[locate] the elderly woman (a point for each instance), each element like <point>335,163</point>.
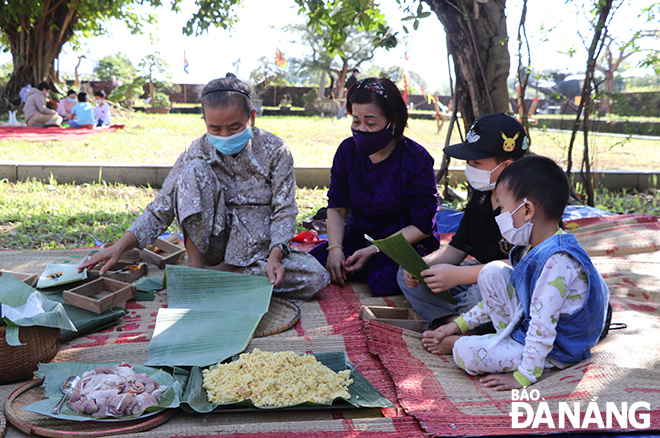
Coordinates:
<point>232,193</point>
<point>382,183</point>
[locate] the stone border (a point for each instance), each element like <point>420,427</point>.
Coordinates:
<point>306,176</point>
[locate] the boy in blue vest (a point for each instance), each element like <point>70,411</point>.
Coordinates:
<point>550,308</point>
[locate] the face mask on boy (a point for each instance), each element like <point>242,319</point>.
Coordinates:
<point>98,102</point>
<point>480,179</point>
<point>72,99</point>
<point>233,144</point>
<point>515,236</point>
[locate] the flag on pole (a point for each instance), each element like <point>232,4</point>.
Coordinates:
<point>405,87</point>
<point>185,63</point>
<point>280,61</point>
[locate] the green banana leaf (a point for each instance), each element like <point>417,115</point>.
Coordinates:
<point>363,394</point>
<point>14,294</point>
<point>55,373</point>
<point>147,287</point>
<point>210,317</point>
<point>402,252</point>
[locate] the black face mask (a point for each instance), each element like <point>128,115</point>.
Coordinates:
<point>368,143</point>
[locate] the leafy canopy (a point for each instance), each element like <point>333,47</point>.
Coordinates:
<point>117,65</point>
<point>340,16</point>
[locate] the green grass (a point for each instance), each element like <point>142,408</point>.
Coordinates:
<point>36,215</point>
<point>158,139</point>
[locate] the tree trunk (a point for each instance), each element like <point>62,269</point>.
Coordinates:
<point>34,47</point>
<point>322,82</point>
<point>341,79</point>
<point>477,41</point>
<point>585,103</point>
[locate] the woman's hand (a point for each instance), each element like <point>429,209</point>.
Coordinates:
<point>411,281</point>
<point>500,382</point>
<point>440,278</point>
<point>274,268</point>
<point>356,261</point>
<point>335,265</point>
<point>110,255</point>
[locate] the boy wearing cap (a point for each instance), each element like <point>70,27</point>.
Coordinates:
<point>492,143</point>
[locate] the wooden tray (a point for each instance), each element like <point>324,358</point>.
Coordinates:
<point>162,252</point>
<point>125,276</point>
<point>29,279</point>
<point>37,424</point>
<point>404,318</point>
<point>100,295</point>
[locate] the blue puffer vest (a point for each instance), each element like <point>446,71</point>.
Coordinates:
<point>578,332</point>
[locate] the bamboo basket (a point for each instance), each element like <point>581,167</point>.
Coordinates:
<point>18,363</point>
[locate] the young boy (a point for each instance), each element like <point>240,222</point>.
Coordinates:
<point>102,110</point>
<point>493,142</point>
<point>82,113</point>
<point>550,308</point>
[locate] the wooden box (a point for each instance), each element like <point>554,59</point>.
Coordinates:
<point>130,256</point>
<point>29,279</point>
<point>404,318</point>
<point>100,295</point>
<point>163,252</point>
<point>126,276</point>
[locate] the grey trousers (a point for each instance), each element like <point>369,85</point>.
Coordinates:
<point>432,308</point>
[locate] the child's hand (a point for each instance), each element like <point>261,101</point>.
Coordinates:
<point>439,278</point>
<point>411,281</point>
<point>500,382</point>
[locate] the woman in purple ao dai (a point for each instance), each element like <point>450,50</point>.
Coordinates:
<point>382,183</point>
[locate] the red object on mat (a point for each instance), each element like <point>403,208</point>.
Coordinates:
<point>308,237</point>
<point>31,133</point>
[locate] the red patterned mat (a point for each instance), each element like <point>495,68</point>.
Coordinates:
<point>624,369</point>
<point>30,133</point>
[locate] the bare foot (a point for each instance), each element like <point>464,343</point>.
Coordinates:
<point>439,345</point>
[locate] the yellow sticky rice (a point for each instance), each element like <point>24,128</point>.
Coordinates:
<point>275,379</point>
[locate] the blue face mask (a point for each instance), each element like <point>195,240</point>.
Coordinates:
<point>230,145</point>
<point>73,99</point>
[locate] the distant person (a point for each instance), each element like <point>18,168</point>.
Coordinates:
<point>382,183</point>
<point>83,113</point>
<point>352,80</point>
<point>65,105</point>
<point>35,111</point>
<point>102,110</point>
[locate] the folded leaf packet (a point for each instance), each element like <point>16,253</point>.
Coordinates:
<point>56,275</point>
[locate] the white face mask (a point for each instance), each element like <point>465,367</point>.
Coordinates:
<point>98,102</point>
<point>480,179</point>
<point>516,236</point>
